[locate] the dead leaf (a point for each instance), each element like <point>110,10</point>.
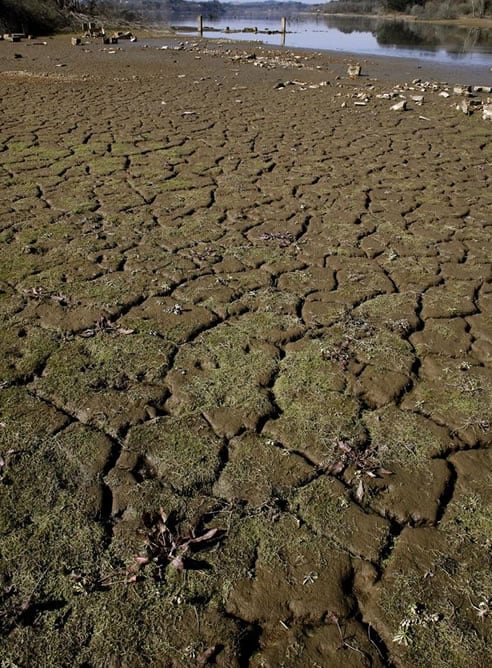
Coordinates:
<point>203,658</point>
<point>206,536</point>
<point>344,447</point>
<point>336,468</point>
<point>178,563</point>
<point>142,560</point>
<point>359,494</point>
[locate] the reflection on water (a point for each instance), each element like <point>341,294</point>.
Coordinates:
<point>360,35</point>
<point>432,36</point>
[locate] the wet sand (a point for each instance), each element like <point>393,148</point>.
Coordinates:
<point>245,376</point>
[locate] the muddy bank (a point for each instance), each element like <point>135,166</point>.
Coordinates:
<point>245,382</point>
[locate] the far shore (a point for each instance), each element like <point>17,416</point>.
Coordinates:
<point>460,21</point>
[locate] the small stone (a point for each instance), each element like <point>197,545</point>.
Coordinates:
<point>354,70</point>
<point>487,112</point>
<point>399,106</point>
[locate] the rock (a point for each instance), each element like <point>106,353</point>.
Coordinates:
<point>474,104</point>
<point>482,89</point>
<point>461,90</point>
<point>354,70</point>
<point>399,106</point>
<point>487,112</point>
<point>418,99</point>
<point>464,106</point>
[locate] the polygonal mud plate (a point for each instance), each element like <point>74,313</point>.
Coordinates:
<point>106,380</point>
<point>25,419</point>
<point>23,352</point>
<point>257,471</point>
<point>315,410</point>
<point>224,372</point>
<point>456,394</point>
<point>174,320</point>
<point>324,505</point>
<point>183,453</point>
<point>430,588</point>
<point>297,576</point>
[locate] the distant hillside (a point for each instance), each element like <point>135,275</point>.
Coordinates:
<point>435,9</point>
<point>33,16</point>
<point>49,16</point>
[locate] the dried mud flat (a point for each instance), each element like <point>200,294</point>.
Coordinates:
<point>245,364</point>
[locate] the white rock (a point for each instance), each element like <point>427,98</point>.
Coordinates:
<point>354,70</point>
<point>399,106</point>
<point>487,112</point>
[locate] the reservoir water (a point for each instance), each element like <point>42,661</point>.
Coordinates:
<point>359,35</point>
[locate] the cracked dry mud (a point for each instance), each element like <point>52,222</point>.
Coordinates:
<point>259,310</point>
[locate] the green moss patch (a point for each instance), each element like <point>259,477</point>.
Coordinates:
<point>107,380</point>
<point>315,409</point>
<point>23,352</point>
<point>174,320</point>
<point>257,471</point>
<point>456,394</point>
<point>182,452</point>
<point>224,373</point>
<point>326,507</point>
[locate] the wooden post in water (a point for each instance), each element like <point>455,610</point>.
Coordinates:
<point>200,25</point>
<point>283,25</point>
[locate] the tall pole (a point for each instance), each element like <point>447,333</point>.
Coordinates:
<point>200,25</point>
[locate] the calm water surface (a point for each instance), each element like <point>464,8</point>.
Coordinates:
<point>363,35</point>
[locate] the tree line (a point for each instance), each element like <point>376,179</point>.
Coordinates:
<point>436,9</point>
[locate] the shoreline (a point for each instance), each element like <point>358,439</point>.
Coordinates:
<point>386,67</point>
<point>478,74</point>
<point>391,67</point>
<point>462,21</point>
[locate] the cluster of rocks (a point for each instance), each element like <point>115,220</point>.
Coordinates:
<point>471,98</point>
<point>272,60</point>
<point>13,36</point>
